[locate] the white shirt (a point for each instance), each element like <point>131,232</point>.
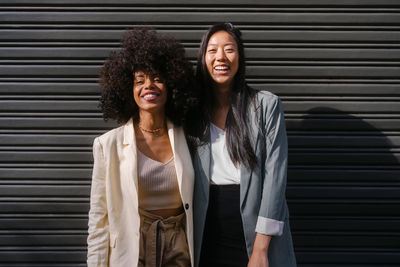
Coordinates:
<point>223,171</point>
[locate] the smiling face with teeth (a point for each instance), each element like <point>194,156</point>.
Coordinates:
<point>149,92</point>
<point>222,59</point>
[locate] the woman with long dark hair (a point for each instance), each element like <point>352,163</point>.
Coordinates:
<point>240,159</point>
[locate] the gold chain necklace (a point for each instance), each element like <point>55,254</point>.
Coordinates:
<point>156,132</point>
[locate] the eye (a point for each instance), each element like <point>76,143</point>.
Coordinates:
<point>229,49</point>
<point>158,79</point>
<point>139,82</point>
<point>211,50</point>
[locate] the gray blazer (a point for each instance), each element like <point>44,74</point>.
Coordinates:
<point>262,190</point>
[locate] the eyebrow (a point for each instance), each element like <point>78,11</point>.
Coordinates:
<point>230,43</point>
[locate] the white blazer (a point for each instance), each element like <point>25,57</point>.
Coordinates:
<point>113,217</point>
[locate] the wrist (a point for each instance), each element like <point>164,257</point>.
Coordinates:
<point>262,250</point>
<point>261,243</point>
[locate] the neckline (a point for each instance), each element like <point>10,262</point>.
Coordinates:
<point>215,126</point>
<point>159,162</point>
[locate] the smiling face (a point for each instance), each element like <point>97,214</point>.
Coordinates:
<point>149,92</point>
<point>222,59</point>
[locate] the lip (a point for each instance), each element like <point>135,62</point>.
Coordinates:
<point>221,69</point>
<point>150,96</point>
<point>222,66</point>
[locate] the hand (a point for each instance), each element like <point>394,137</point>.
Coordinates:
<point>258,258</point>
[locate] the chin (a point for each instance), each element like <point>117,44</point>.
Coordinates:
<point>153,108</point>
<point>223,82</point>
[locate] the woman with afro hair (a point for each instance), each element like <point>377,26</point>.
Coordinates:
<point>142,183</point>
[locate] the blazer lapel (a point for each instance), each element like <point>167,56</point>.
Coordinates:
<point>129,171</point>
<point>177,160</point>
<point>245,173</point>
<point>202,161</point>
<point>182,161</point>
<point>204,153</point>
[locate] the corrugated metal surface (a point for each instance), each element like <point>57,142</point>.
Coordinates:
<point>335,64</point>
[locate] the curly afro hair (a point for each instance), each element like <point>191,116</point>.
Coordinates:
<point>146,50</point>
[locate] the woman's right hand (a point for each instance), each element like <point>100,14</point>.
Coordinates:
<point>258,259</point>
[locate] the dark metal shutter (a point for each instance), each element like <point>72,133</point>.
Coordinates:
<point>334,63</point>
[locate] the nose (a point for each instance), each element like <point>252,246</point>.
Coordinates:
<point>220,55</point>
<point>148,83</point>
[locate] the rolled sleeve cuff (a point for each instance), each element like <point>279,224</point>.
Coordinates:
<point>269,226</point>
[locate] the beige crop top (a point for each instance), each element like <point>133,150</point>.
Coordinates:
<point>158,184</point>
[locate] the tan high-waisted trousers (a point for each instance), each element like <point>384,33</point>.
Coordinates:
<point>163,241</point>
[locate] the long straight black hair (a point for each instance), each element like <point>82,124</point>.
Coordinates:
<point>237,122</point>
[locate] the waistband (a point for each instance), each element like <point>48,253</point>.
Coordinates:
<point>225,187</point>
<point>150,218</point>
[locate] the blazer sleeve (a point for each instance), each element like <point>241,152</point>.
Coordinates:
<point>273,213</point>
<point>98,239</point>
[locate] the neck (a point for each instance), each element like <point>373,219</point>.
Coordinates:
<point>222,96</point>
<point>151,121</point>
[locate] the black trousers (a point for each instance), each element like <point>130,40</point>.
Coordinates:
<point>223,239</point>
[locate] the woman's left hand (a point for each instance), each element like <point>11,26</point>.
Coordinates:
<point>259,257</point>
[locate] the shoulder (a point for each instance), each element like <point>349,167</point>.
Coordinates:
<point>111,136</point>
<point>266,98</point>
<point>266,102</point>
